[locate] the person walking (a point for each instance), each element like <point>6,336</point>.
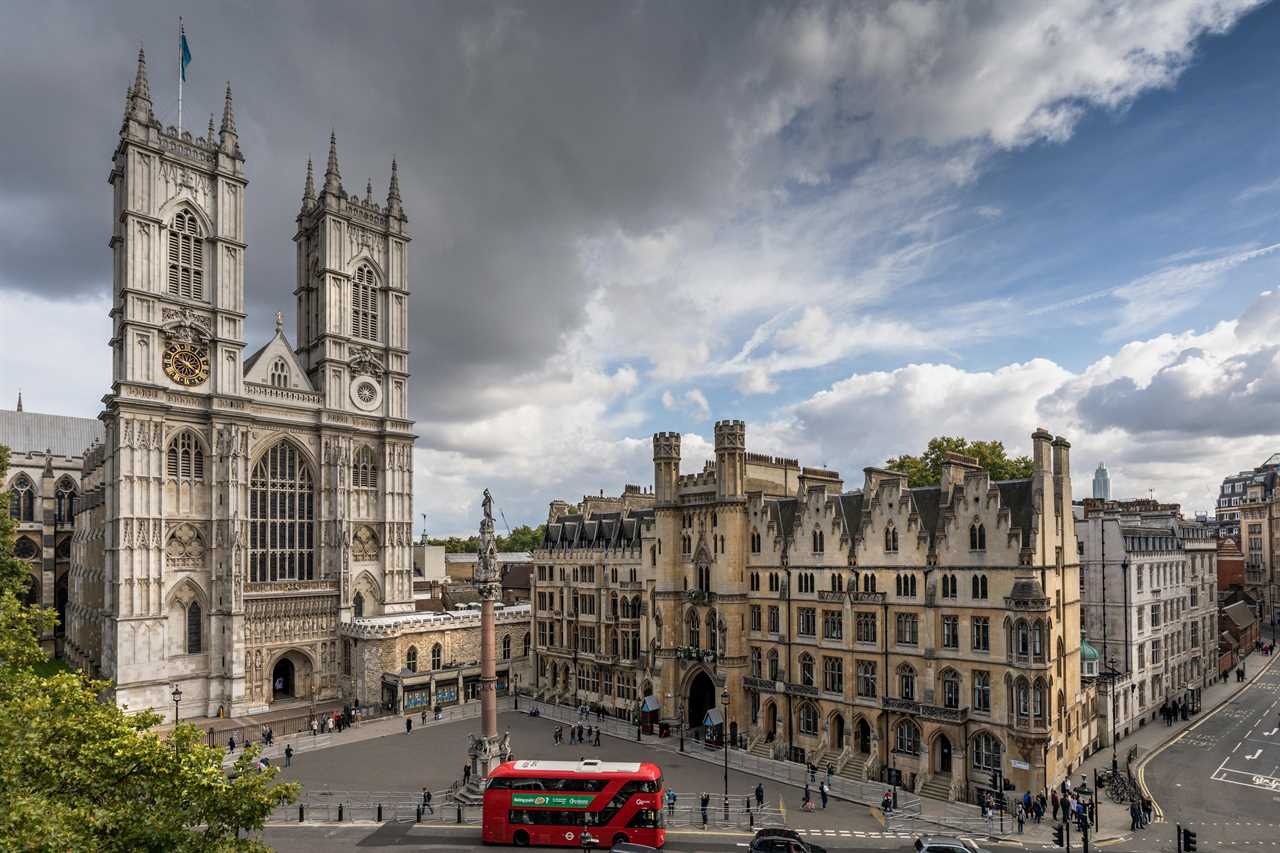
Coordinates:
<point>288,754</point>
<point>831,771</point>
<point>886,803</point>
<point>596,742</point>
<point>424,716</point>
<point>231,744</point>
<point>466,774</point>
<point>1037,809</point>
<point>1021,815</point>
<point>408,725</point>
<point>1135,817</point>
<point>806,804</point>
<point>315,729</point>
<point>822,792</point>
<point>759,795</point>
<point>704,801</point>
<point>1147,809</point>
<point>426,802</point>
<point>1054,801</point>
<point>671,802</point>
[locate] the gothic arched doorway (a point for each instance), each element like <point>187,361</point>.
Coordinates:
<point>864,736</point>
<point>771,720</point>
<point>943,750</point>
<point>702,698</point>
<point>283,680</point>
<point>837,731</point>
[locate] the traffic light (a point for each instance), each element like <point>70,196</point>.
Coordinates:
<point>1188,841</point>
<point>1058,837</point>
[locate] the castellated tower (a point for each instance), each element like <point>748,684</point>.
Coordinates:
<point>731,453</point>
<point>666,466</point>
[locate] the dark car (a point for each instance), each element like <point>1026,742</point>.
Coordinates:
<point>946,844</point>
<point>778,840</point>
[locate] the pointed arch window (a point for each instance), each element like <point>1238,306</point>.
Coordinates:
<point>525,653</point>
<point>194,629</point>
<point>908,738</point>
<point>184,460</point>
<point>279,376</point>
<point>755,542</point>
<point>808,719</point>
<point>694,631</point>
<point>65,501</point>
<point>186,256</point>
<point>437,654</point>
<point>364,471</point>
<point>506,647</point>
<point>951,689</point>
<point>364,303</point>
<point>756,665</point>
<point>977,537</point>
<point>411,659</point>
<point>357,605</point>
<point>806,669</point>
<point>891,538</point>
<point>22,499</point>
<point>907,683</point>
<point>773,664</point>
<point>987,752</point>
<point>819,542</point>
<point>281,517</point>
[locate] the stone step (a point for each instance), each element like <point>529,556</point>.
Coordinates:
<point>937,788</point>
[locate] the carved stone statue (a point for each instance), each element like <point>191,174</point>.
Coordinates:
<point>505,746</point>
<point>487,504</point>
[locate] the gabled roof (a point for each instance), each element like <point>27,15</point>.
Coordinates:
<point>257,367</point>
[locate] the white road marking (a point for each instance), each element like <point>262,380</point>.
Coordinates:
<point>1255,755</point>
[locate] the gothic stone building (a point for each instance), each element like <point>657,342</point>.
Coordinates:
<point>241,508</point>
<point>930,634</point>
<point>43,488</point>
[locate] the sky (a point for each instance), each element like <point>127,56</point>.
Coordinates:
<point>852,225</point>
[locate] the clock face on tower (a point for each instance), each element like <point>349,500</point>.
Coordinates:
<point>186,364</point>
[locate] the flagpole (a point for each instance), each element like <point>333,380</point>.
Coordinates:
<point>179,75</point>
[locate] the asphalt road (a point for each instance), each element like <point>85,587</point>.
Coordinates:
<point>1221,778</point>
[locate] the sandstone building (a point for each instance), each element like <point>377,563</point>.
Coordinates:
<point>241,507</point>
<point>931,634</point>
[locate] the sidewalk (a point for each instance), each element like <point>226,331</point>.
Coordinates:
<point>1113,818</point>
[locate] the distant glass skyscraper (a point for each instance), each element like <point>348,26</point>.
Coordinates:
<point>1102,482</point>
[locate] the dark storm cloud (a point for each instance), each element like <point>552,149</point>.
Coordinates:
<point>519,133</point>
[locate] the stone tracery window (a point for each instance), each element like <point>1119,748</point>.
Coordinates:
<point>986,752</point>
<point>184,460</point>
<point>364,303</point>
<point>364,471</point>
<point>281,515</point>
<point>437,654</point>
<point>22,499</point>
<point>279,376</point>
<point>186,256</point>
<point>411,659</point>
<point>194,629</point>
<point>65,501</point>
<point>891,538</point>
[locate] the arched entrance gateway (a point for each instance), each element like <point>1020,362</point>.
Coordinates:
<point>837,731</point>
<point>942,754</point>
<point>283,680</point>
<point>864,736</point>
<point>771,721</point>
<point>702,698</point>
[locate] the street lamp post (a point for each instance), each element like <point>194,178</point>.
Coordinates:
<point>724,736</point>
<point>177,697</point>
<point>680,712</point>
<point>639,716</point>
<point>515,688</point>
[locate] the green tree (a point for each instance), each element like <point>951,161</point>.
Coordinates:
<point>926,469</point>
<point>77,773</point>
<point>523,538</point>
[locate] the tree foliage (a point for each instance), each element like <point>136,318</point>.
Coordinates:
<point>77,773</point>
<point>523,538</point>
<point>926,469</point>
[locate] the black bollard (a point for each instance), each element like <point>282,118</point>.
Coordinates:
<point>339,812</point>
<point>419,818</point>
<point>379,812</point>
<point>459,812</point>
<point>301,813</point>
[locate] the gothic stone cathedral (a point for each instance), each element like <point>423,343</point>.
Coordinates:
<point>241,508</point>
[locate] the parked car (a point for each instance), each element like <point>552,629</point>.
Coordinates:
<point>778,840</point>
<point>946,844</point>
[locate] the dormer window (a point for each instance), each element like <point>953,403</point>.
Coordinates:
<point>186,256</point>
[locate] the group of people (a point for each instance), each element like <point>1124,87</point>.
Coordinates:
<point>824,791</point>
<point>1173,711</point>
<point>577,734</point>
<point>585,713</point>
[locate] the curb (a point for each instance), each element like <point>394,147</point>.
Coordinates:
<point>1158,813</point>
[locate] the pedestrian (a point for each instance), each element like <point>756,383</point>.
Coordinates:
<point>671,802</point>
<point>588,732</point>
<point>426,802</point>
<point>1054,801</point>
<point>231,744</point>
<point>704,801</point>
<point>466,774</point>
<point>573,735</point>
<point>408,725</point>
<point>288,754</point>
<point>596,742</point>
<point>315,729</point>
<point>1037,810</point>
<point>1147,809</point>
<point>1021,815</point>
<point>806,803</point>
<point>424,716</point>
<point>813,772</point>
<point>831,771</point>
<point>822,792</point>
<point>886,803</point>
<point>1135,817</point>
<point>759,795</point>
<point>580,732</point>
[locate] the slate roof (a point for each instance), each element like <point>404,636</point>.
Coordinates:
<point>602,530</point>
<point>32,432</point>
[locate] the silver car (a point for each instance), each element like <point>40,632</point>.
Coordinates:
<point>946,844</point>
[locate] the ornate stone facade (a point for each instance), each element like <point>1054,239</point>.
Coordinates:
<point>242,508</point>
<point>926,633</point>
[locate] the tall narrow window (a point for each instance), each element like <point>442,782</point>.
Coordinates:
<point>891,538</point>
<point>193,628</point>
<point>506,647</point>
<point>65,509</point>
<point>281,513</point>
<point>279,373</point>
<point>185,458</point>
<point>186,257</point>
<point>437,654</point>
<point>411,659</point>
<point>364,303</point>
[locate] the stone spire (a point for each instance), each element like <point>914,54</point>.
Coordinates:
<point>393,193</point>
<point>332,178</point>
<point>19,399</point>
<point>209,134</point>
<point>228,139</point>
<point>368,191</point>
<point>309,188</point>
<point>140,94</point>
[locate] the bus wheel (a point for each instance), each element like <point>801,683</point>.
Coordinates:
<point>619,839</point>
<point>520,839</point>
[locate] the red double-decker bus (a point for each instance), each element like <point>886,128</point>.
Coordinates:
<point>556,802</point>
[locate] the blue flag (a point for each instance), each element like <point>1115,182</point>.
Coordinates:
<point>185,51</point>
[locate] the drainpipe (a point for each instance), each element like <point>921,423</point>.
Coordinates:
<point>884,618</point>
